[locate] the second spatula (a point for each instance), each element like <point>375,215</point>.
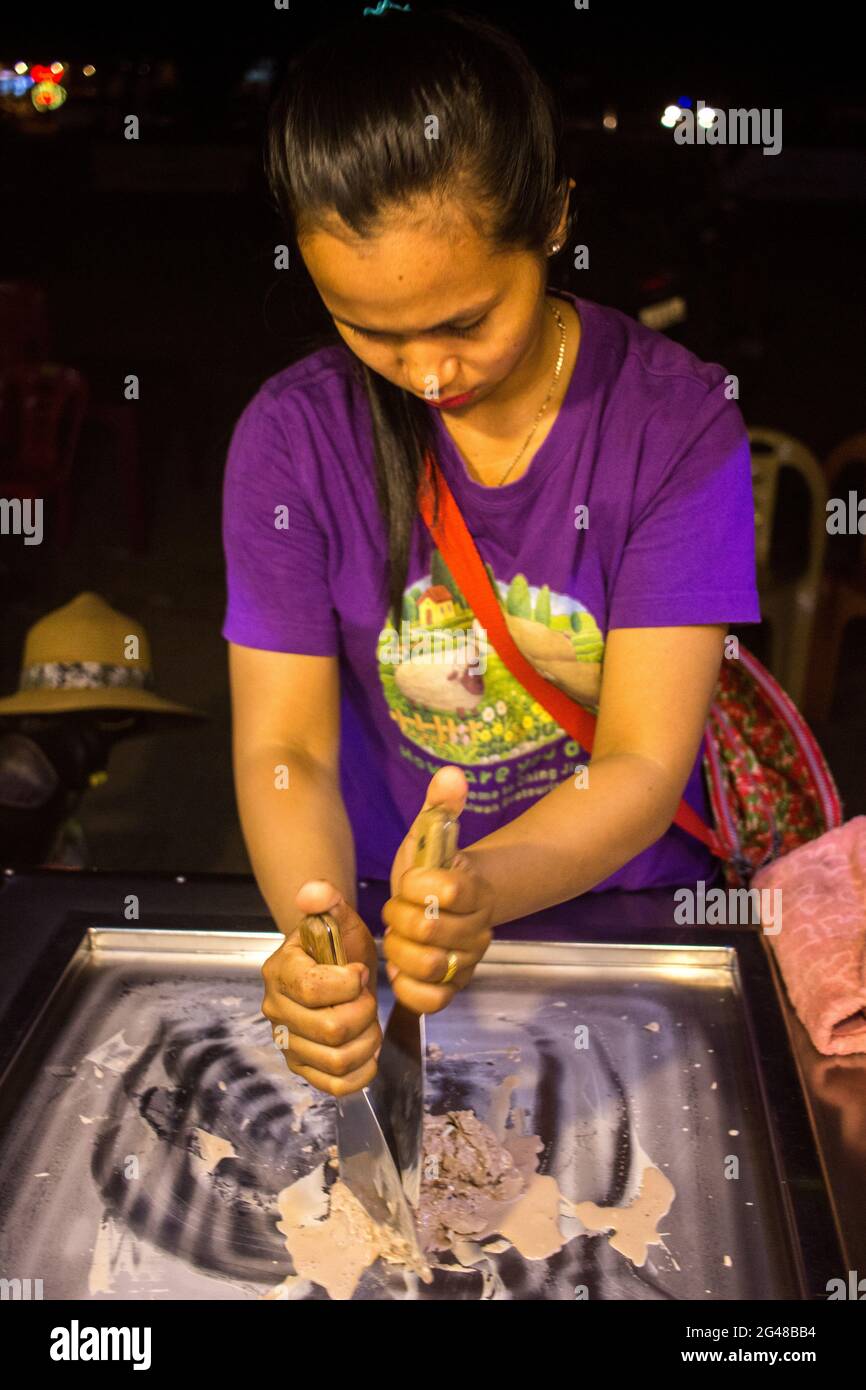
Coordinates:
<point>366,1163</point>
<point>397,1090</point>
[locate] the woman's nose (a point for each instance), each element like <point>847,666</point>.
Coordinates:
<point>429,378</point>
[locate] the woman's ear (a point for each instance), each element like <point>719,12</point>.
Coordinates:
<point>562,229</point>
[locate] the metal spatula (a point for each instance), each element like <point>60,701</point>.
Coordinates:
<point>397,1090</point>
<point>366,1164</point>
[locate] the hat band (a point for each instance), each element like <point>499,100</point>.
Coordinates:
<point>83,675</point>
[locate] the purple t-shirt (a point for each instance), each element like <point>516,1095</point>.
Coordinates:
<point>636,511</point>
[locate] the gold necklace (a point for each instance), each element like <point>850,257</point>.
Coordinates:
<point>559,361</point>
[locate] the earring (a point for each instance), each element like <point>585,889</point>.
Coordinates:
<point>554,248</point>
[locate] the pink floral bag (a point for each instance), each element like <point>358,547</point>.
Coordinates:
<point>769,785</point>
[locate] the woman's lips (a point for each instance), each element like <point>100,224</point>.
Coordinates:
<point>453,400</point>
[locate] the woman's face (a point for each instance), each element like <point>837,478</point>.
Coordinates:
<point>442,314</point>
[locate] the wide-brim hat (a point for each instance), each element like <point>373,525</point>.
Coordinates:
<point>88,656</point>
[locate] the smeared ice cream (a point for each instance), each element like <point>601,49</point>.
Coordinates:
<point>466,1177</point>
<point>212,1150</point>
<point>477,1181</point>
<point>474,1185</point>
<point>335,1252</point>
<point>634,1225</point>
<point>532,1225</point>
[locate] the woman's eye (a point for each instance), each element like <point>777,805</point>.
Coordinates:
<point>469,329</point>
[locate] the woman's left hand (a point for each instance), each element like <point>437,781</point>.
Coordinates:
<point>435,915</point>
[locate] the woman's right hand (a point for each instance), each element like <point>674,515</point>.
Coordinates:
<point>324,1017</point>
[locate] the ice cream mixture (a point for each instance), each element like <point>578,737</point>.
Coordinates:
<point>479,1181</point>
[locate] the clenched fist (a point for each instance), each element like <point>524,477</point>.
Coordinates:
<point>324,1016</point>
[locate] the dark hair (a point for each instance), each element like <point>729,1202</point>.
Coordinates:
<point>346,135</point>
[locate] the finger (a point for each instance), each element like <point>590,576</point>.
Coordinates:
<point>402,860</point>
<point>292,972</point>
<point>423,963</point>
<point>337,1085</point>
<point>319,895</point>
<point>447,788</point>
<point>335,1061</point>
<point>447,930</point>
<point>425,998</point>
<point>457,888</point>
<point>330,1027</point>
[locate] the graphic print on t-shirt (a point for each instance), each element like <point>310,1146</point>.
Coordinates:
<point>455,700</point>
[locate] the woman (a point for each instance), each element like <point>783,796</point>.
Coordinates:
<point>601,468</point>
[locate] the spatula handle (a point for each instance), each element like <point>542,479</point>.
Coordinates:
<point>437,839</point>
<point>437,844</point>
<point>321,938</point>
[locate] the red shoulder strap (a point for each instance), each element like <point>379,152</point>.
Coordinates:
<point>453,540</point>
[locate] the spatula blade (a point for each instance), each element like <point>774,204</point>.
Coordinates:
<point>397,1090</point>
<point>367,1168</point>
<point>366,1163</point>
<point>397,1093</point>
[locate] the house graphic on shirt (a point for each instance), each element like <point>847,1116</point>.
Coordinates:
<point>436,606</point>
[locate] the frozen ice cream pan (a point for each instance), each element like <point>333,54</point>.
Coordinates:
<point>148,1124</point>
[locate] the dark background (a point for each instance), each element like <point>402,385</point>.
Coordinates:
<point>157,258</point>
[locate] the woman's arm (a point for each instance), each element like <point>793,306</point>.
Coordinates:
<point>285,715</point>
<point>285,747</point>
<point>657,687</point>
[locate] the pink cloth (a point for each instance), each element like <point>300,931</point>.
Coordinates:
<point>821,947</point>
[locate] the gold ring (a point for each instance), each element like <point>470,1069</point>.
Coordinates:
<point>452,969</point>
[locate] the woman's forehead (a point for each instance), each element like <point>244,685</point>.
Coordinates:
<point>410,275</point>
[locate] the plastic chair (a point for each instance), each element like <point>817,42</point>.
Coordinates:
<point>788,605</point>
<point>843,594</point>
<point>42,407</point>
